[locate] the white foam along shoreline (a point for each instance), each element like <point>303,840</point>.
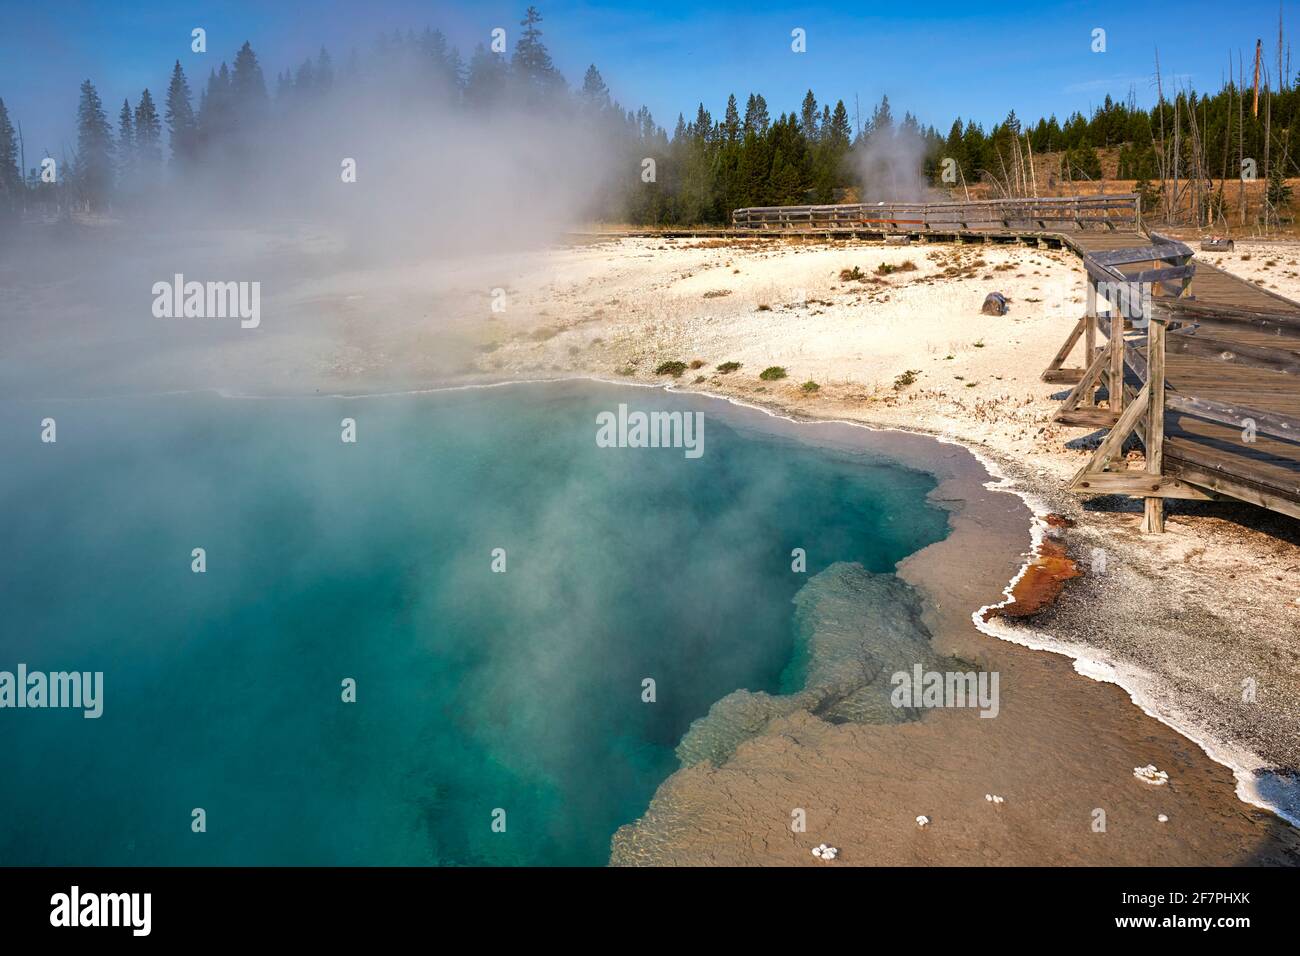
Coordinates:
<point>1247,767</point>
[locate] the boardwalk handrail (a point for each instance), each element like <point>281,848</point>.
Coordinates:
<point>1108,211</point>
<point>1147,282</point>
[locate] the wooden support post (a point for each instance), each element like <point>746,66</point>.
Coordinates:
<point>1153,519</point>
<point>1090,334</point>
<point>1115,382</point>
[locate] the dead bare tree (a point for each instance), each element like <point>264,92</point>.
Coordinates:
<point>1161,159</point>
<point>1241,137</point>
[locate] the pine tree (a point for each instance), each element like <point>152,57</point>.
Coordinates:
<point>594,92</point>
<point>840,130</point>
<point>214,119</point>
<point>731,120</point>
<point>485,82</point>
<point>756,117</point>
<point>808,116</point>
<point>535,75</point>
<point>247,87</point>
<point>148,139</point>
<point>94,162</point>
<point>11,180</point>
<point>324,72</point>
<point>304,81</point>
<point>126,158</point>
<point>181,125</point>
<point>882,120</point>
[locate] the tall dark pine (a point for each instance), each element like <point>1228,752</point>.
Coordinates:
<point>756,117</point>
<point>840,131</point>
<point>10,175</point>
<point>247,86</point>
<point>214,117</point>
<point>94,165</point>
<point>148,138</point>
<point>181,124</point>
<point>594,91</point>
<point>882,120</point>
<point>535,75</point>
<point>731,120</point>
<point>808,116</point>
<point>125,144</point>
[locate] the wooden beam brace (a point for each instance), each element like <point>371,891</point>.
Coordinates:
<point>1091,376</point>
<point>1136,483</point>
<point>1064,351</point>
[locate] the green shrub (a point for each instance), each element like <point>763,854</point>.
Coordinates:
<point>809,387</point>
<point>674,369</point>
<point>726,367</point>
<point>907,378</point>
<point>772,373</point>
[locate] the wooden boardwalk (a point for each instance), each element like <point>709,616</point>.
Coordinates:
<point>1204,367</point>
<point>1244,373</point>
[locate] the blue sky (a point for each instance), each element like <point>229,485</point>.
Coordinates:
<point>939,59</point>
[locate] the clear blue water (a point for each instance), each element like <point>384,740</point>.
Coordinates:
<point>476,690</point>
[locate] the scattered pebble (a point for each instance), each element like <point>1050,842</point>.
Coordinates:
<point>1162,818</point>
<point>994,798</point>
<point>824,852</point>
<point>1149,774</point>
<point>922,820</point>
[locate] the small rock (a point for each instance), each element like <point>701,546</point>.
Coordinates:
<point>922,821</point>
<point>995,303</point>
<point>1162,818</point>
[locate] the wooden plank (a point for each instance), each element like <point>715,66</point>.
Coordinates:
<point>1270,320</point>
<point>1229,352</point>
<point>1091,416</point>
<point>1270,423</point>
<point>1136,483</point>
<point>1153,516</point>
<point>1234,487</point>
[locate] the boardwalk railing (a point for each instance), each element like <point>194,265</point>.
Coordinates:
<point>1217,449</point>
<point>1053,214</point>
<point>1201,366</point>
